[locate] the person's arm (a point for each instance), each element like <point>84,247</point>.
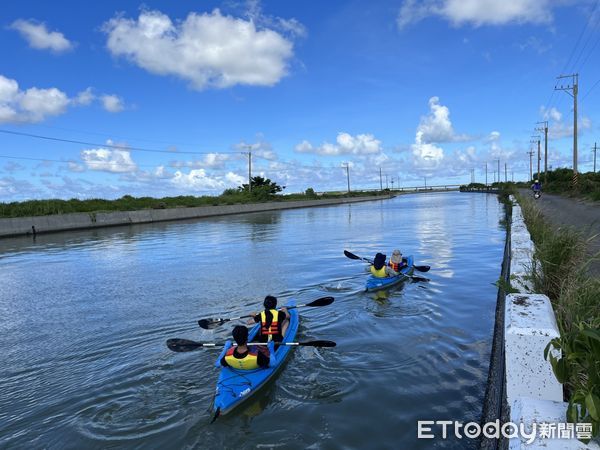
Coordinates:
<point>254,319</point>
<point>262,360</point>
<point>221,359</point>
<point>390,272</point>
<point>284,310</point>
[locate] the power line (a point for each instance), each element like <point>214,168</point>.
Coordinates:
<point>116,147</point>
<point>590,90</point>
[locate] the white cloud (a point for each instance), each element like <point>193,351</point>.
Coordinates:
<point>436,127</point>
<point>196,180</point>
<point>112,103</point>
<point>206,49</point>
<point>30,106</point>
<point>38,36</point>
<point>426,156</point>
<point>107,160</point>
<point>346,144</point>
<point>551,113</point>
<point>84,97</point>
<point>235,179</point>
<point>476,12</point>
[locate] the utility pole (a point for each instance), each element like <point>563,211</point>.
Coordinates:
<point>594,157</point>
<point>545,130</point>
<point>486,173</point>
<point>392,183</point>
<point>472,175</point>
<point>505,176</point>
<point>498,170</point>
<point>380,181</point>
<point>512,173</point>
<point>386,182</point>
<point>536,138</point>
<point>425,177</point>
<point>572,90</point>
<point>347,166</point>
<point>249,153</point>
<point>530,153</point>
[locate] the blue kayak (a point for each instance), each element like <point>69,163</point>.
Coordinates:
<point>375,284</point>
<point>234,386</point>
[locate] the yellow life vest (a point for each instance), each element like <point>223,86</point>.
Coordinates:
<point>378,273</point>
<point>248,362</point>
<point>271,330</point>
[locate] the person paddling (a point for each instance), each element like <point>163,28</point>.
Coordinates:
<point>244,357</point>
<point>379,269</point>
<point>273,323</point>
<point>397,262</point>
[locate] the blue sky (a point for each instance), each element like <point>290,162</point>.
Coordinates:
<point>423,90</point>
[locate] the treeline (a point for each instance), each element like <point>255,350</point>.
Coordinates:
<point>263,190</point>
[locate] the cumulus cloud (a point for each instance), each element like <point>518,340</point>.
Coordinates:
<point>476,12</point>
<point>84,97</point>
<point>38,36</point>
<point>426,156</point>
<point>35,105</point>
<point>550,114</point>
<point>196,180</point>
<point>112,103</point>
<point>437,127</point>
<point>208,50</point>
<point>108,160</point>
<point>346,144</point>
<point>30,106</point>
<point>210,160</point>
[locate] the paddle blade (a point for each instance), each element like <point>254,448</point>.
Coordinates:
<point>422,268</point>
<point>318,344</point>
<point>185,345</point>
<point>351,255</point>
<point>209,324</point>
<point>323,301</point>
<point>419,278</point>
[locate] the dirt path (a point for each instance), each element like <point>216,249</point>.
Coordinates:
<point>580,215</point>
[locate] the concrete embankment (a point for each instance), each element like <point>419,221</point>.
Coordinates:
<point>19,226</point>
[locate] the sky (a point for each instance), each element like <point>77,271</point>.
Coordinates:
<point>163,98</point>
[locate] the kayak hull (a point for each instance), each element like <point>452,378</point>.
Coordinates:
<point>376,284</point>
<point>235,386</point>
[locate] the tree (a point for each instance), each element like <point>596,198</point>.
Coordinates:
<point>262,185</point>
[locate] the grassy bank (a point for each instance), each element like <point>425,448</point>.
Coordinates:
<point>559,272</point>
<point>129,203</point>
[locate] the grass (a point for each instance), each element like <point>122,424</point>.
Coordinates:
<point>559,272</point>
<point>129,203</point>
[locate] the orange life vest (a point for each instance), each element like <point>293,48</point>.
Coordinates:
<point>272,330</point>
<point>248,362</point>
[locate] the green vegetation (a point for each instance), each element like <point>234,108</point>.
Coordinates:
<point>559,181</point>
<point>263,190</point>
<point>559,272</point>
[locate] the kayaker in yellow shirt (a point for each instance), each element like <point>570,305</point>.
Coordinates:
<point>379,269</point>
<point>244,357</point>
<point>273,323</point>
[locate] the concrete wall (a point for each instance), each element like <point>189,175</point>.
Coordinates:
<point>62,222</point>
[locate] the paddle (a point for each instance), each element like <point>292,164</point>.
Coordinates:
<point>414,277</point>
<point>209,324</point>
<point>353,256</point>
<point>185,345</point>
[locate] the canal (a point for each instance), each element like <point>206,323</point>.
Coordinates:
<point>84,317</point>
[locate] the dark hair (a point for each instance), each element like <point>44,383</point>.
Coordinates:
<point>240,334</point>
<point>379,261</point>
<point>269,303</point>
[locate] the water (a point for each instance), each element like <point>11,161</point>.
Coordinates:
<point>84,317</point>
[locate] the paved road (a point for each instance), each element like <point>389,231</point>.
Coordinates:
<point>581,215</point>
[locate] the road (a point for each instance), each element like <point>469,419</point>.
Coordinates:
<point>580,215</point>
